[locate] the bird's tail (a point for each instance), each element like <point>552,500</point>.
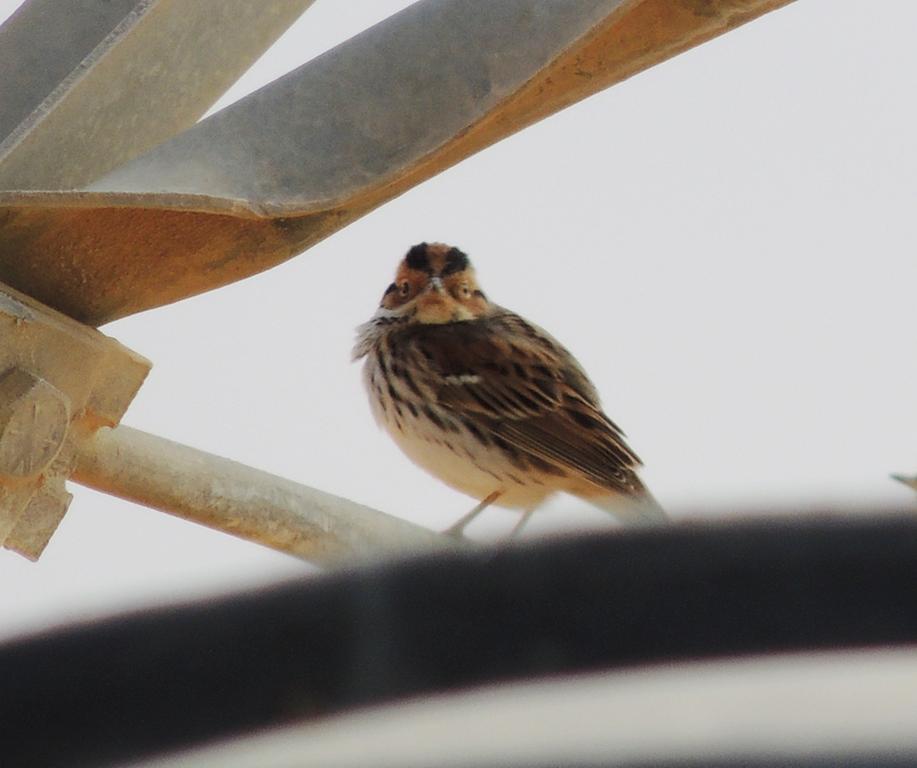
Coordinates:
<point>642,509</point>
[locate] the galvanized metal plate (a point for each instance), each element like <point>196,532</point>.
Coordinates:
<point>86,85</point>
<point>297,160</point>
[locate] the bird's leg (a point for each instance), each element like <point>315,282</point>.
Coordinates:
<point>457,529</point>
<point>521,524</point>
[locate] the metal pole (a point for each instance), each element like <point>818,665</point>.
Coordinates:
<point>243,501</point>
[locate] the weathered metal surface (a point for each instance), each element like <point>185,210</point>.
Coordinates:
<point>59,382</point>
<point>242,501</point>
<point>31,533</point>
<point>87,85</point>
<point>234,195</point>
<point>34,416</point>
<point>292,163</point>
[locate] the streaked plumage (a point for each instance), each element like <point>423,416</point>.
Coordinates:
<point>487,402</point>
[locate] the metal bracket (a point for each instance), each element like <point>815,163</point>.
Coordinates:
<point>59,382</point>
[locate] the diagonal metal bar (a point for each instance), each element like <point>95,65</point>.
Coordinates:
<point>243,501</point>
<point>303,157</point>
<point>86,86</point>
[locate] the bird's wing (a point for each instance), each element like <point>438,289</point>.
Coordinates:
<point>514,381</point>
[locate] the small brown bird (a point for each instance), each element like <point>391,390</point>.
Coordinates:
<point>487,402</point>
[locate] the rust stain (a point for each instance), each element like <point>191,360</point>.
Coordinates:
<point>97,264</point>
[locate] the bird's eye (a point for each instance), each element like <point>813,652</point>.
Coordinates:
<point>466,291</point>
<point>405,288</point>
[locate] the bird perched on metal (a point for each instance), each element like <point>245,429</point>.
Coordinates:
<point>488,402</point>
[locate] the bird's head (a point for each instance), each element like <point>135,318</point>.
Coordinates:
<point>435,284</point>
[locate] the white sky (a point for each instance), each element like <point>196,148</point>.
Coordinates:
<point>725,241</point>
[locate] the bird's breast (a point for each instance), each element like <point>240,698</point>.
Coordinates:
<point>462,457</point>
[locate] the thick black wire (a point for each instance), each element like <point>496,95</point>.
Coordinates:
<point>145,683</point>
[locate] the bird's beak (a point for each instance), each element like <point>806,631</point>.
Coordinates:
<point>435,305</point>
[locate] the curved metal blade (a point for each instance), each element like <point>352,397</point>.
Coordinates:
<point>278,171</point>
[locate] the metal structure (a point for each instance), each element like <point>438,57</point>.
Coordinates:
<point>114,200</point>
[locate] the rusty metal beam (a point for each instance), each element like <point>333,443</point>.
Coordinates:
<point>278,171</point>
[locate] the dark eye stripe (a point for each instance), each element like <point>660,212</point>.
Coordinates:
<point>391,288</point>
<point>480,295</point>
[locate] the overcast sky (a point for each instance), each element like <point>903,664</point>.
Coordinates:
<point>725,241</point>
